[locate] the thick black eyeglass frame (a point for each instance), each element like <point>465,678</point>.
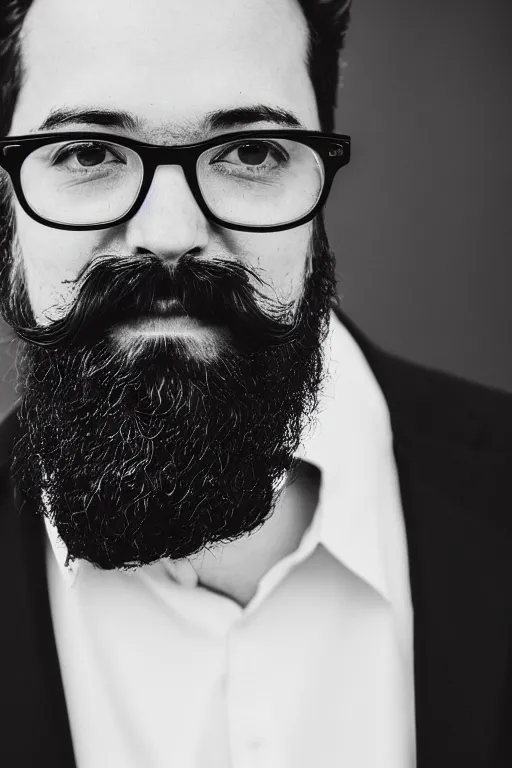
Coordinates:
<point>333,149</point>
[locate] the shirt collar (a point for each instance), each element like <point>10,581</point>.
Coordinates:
<point>351,443</point>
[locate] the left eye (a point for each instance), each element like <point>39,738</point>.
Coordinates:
<point>253,154</point>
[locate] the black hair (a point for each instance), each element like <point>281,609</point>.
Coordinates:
<point>327,26</point>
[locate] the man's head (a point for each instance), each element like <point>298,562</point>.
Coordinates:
<point>157,438</point>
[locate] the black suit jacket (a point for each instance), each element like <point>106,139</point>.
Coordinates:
<point>453,448</point>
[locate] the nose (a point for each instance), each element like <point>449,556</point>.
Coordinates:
<point>169,223</point>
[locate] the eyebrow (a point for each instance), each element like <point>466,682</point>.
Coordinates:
<point>259,113</point>
<point>59,118</point>
<point>220,119</point>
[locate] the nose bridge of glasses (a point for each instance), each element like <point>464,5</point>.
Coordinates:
<point>170,162</point>
<point>154,156</point>
<point>167,176</point>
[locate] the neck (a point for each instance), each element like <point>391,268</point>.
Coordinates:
<point>236,570</point>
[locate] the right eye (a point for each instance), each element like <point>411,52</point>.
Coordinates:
<point>87,155</point>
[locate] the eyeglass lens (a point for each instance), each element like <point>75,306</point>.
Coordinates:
<point>250,182</point>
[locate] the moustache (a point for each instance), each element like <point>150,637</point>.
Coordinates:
<point>112,290</point>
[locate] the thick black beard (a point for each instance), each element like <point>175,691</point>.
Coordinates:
<point>151,451</point>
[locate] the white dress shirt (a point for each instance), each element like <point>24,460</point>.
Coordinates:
<point>317,668</point>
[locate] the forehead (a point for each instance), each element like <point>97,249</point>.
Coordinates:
<point>166,61</point>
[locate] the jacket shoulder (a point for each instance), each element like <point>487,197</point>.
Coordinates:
<point>452,438</point>
<point>438,406</point>
<point>430,405</point>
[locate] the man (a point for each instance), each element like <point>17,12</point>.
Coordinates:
<point>234,531</point>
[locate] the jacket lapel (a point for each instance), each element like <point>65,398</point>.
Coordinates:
<point>457,498</point>
<point>461,584</point>
<point>34,726</point>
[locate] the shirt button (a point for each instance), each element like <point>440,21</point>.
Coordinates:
<point>254,744</point>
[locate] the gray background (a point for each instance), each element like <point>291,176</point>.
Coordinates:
<point>421,219</point>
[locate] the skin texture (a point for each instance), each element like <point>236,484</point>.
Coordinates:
<point>169,64</point>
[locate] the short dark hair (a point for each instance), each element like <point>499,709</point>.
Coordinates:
<point>327,24</point>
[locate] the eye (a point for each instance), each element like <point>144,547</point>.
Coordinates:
<point>254,154</point>
<point>87,155</point>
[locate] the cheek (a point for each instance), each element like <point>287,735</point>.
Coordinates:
<point>50,257</point>
<point>281,259</point>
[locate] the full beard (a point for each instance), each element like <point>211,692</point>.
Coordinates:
<point>148,450</point>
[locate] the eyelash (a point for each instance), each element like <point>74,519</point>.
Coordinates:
<point>68,151</point>
<point>233,147</point>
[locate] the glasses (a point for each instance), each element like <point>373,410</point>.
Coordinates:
<point>253,181</point>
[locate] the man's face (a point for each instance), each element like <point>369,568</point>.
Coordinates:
<point>168,63</point>
<point>152,420</point>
